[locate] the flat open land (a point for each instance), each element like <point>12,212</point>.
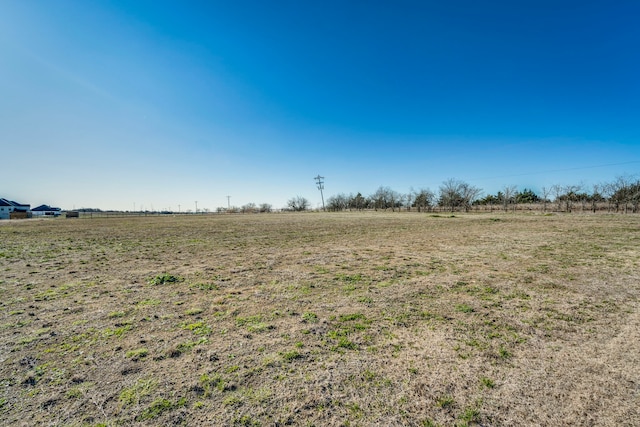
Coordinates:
<point>321,319</point>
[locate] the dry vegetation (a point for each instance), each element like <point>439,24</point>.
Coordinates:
<point>321,319</point>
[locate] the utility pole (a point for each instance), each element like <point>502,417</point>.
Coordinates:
<point>196,206</point>
<point>320,184</point>
<point>228,203</point>
<point>178,208</point>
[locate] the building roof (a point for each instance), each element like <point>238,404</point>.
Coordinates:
<point>5,202</point>
<point>43,208</point>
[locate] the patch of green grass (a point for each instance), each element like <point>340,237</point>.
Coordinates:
<point>245,421</point>
<point>290,356</point>
<point>446,401</point>
<point>148,302</point>
<point>350,278</point>
<point>345,343</point>
<point>160,406</point>
<point>309,317</point>
<point>352,317</point>
<point>349,288</point>
<point>116,314</point>
<point>188,345</point>
<point>464,308</point>
<point>355,410</point>
<point>137,354</point>
<point>253,323</point>
<point>469,415</point>
<point>48,295</point>
<point>193,311</point>
<point>74,393</point>
<point>163,279</point>
<point>117,331</point>
<point>133,394</point>
<point>198,328</point>
<point>365,300</point>
<point>211,382</point>
<point>487,382</point>
<point>232,400</point>
<point>504,353</point>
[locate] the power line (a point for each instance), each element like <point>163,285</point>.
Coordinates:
<point>558,170</point>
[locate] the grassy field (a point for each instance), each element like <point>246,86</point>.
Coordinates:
<point>321,319</point>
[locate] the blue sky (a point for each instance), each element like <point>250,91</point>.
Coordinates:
<point>108,104</point>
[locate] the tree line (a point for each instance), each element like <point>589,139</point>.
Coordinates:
<point>453,195</point>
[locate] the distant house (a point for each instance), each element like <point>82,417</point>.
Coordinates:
<point>9,208</point>
<point>45,210</point>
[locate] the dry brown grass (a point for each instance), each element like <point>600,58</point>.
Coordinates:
<point>321,319</point>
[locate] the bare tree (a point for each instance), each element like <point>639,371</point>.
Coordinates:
<point>546,192</point>
<point>469,195</point>
<point>298,204</point>
<point>571,195</point>
<point>625,192</point>
<point>508,196</point>
<point>339,202</point>
<point>265,207</point>
<point>395,200</point>
<point>557,191</point>
<point>607,190</point>
<point>450,196</point>
<point>583,198</point>
<point>596,196</point>
<point>409,199</point>
<point>248,208</point>
<point>423,199</point>
<point>357,202</point>
<point>456,194</point>
<point>381,198</point>
<point>634,196</point>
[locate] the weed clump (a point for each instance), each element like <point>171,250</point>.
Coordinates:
<point>137,354</point>
<point>198,328</point>
<point>310,317</point>
<point>163,279</point>
<point>132,395</point>
<point>212,382</point>
<point>158,407</point>
<point>290,356</point>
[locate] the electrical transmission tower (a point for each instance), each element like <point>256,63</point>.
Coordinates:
<point>320,184</point>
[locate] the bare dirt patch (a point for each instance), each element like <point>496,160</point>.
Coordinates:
<point>321,319</point>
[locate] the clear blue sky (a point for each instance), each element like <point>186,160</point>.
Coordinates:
<point>108,104</point>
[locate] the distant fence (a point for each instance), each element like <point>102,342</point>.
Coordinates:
<point>550,207</point>
<point>116,214</point>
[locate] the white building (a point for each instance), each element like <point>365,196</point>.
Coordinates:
<point>8,206</point>
<point>45,210</point>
